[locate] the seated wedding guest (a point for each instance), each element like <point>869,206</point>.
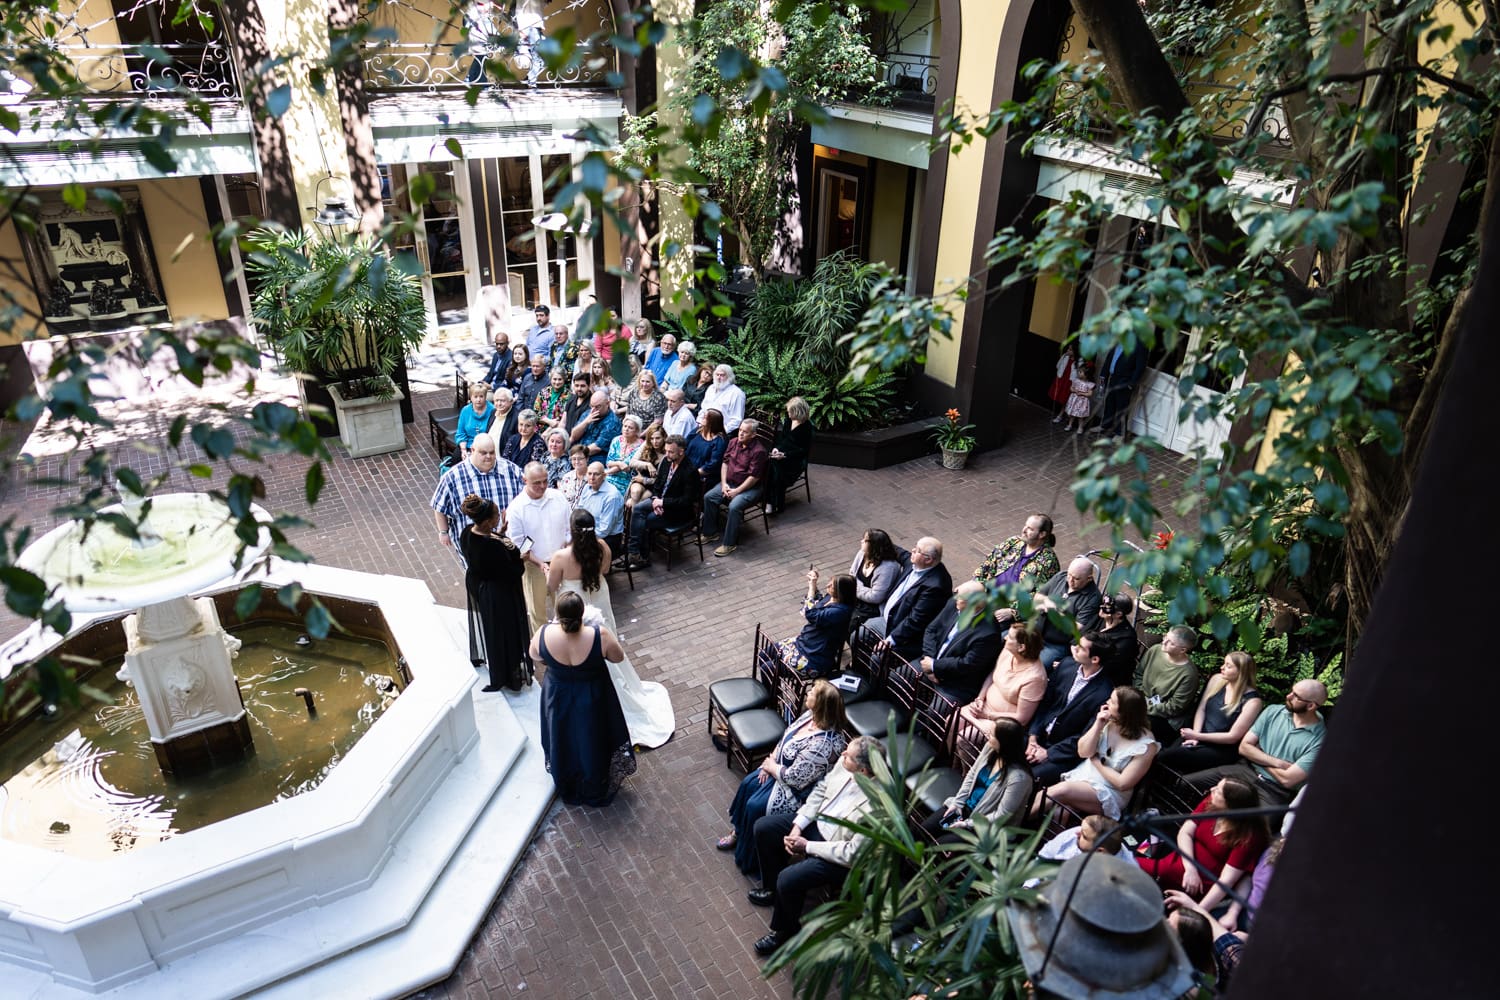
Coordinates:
<point>706,447</point>
<point>1229,707</point>
<point>1116,752</point>
<point>814,652</point>
<point>572,483</point>
<point>494,375</point>
<point>1015,688</point>
<point>525,445</point>
<point>997,787</point>
<point>674,497</point>
<point>518,369</point>
<point>1029,558</point>
<point>473,419</point>
<point>600,498</point>
<point>726,397</point>
<point>809,748</point>
<point>684,371</point>
<point>1277,753</point>
<point>623,451</point>
<point>661,359</point>
<point>1228,847</point>
<point>1074,594</point>
<point>600,378</point>
<point>1075,692</point>
<point>875,569</point>
<point>679,419</point>
<point>1094,831</point>
<point>532,387</point>
<point>697,388</point>
<point>563,351</point>
<point>1168,677</point>
<point>579,406</point>
<point>959,655</point>
<point>789,451</point>
<point>642,338</point>
<point>1195,934</point>
<point>597,428</point>
<point>1119,645</point>
<point>1228,947</point>
<point>919,594</point>
<point>805,851</point>
<point>551,402</point>
<point>647,401</point>
<point>584,356</point>
<point>507,414</point>
<point>556,460</point>
<point>620,395</point>
<point>742,477</point>
<point>643,466</point>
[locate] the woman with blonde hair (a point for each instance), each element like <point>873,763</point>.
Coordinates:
<point>684,371</point>
<point>789,451</point>
<point>1229,707</point>
<point>808,749</point>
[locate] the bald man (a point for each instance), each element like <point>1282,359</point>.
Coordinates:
<point>1074,594</point>
<point>960,655</point>
<point>1277,753</point>
<point>915,600</point>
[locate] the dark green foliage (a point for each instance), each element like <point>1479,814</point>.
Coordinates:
<point>791,345</point>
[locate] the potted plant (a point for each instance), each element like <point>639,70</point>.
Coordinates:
<point>955,440</point>
<point>342,316</point>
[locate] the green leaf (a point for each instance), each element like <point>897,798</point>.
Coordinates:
<point>313,485</point>
<point>279,100</point>
<point>75,196</point>
<point>246,601</point>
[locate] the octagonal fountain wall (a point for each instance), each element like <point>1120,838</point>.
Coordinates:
<point>97,924</point>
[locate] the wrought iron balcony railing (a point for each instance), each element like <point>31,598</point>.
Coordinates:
<point>1224,105</point>
<point>157,71</point>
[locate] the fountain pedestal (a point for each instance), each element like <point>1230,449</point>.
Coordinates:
<point>179,660</point>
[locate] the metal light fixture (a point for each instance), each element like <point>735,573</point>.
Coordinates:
<point>1098,932</point>
<point>335,215</point>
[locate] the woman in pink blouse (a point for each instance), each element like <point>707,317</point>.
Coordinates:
<point>1016,685</point>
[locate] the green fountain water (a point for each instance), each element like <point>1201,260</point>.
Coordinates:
<point>87,783</point>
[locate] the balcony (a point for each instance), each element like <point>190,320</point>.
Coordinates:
<point>1224,107</point>
<point>421,46</point>
<point>910,79</point>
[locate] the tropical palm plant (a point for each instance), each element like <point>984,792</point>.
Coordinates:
<point>339,311</point>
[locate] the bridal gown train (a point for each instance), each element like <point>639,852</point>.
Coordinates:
<point>647,705</point>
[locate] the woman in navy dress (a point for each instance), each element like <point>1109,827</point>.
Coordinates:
<point>814,652</point>
<point>585,740</point>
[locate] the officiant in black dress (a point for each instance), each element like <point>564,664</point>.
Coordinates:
<point>498,630</point>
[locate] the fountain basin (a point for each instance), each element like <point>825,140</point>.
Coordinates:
<point>412,787</point>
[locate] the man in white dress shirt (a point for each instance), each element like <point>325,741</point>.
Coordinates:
<point>679,419</point>
<point>537,521</point>
<point>726,397</point>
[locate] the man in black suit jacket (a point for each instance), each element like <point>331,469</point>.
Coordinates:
<point>919,594</point>
<point>1075,691</point>
<point>673,497</point>
<point>960,656</point>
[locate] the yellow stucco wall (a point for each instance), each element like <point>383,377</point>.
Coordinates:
<point>888,215</point>
<point>10,249</point>
<point>1051,307</point>
<point>982,20</point>
<point>184,254</point>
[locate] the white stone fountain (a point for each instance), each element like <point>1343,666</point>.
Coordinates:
<point>370,884</point>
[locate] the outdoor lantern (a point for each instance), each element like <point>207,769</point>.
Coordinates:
<point>334,217</point>
<point>1110,940</point>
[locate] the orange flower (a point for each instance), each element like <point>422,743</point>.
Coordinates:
<point>1163,539</point>
<point>953,416</point>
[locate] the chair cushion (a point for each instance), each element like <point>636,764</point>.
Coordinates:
<point>869,718</point>
<point>908,754</point>
<point>942,786</point>
<point>737,694</point>
<point>756,729</point>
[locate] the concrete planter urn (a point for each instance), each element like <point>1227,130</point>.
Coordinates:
<point>369,425</point>
<point>954,458</point>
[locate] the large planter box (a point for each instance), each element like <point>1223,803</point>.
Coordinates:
<point>875,449</point>
<point>369,426</point>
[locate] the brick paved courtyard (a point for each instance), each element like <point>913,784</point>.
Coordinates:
<point>634,901</point>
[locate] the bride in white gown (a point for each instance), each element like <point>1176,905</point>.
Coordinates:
<point>647,705</point>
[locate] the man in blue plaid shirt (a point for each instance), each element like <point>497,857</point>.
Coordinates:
<point>484,474</point>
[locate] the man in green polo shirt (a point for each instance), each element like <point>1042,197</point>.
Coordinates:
<point>1278,751</point>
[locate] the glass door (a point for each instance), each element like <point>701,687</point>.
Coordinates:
<point>518,207</point>
<point>441,248</point>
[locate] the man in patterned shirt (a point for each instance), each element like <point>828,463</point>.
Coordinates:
<point>484,474</point>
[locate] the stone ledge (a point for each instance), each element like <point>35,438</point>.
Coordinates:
<point>877,448</point>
